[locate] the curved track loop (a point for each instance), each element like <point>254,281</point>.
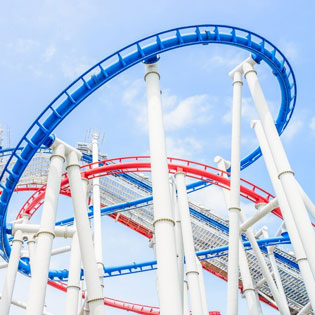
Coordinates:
<point>38,133</point>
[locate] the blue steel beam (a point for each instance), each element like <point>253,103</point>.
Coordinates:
<point>62,275</point>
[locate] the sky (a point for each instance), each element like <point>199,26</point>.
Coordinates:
<point>45,45</point>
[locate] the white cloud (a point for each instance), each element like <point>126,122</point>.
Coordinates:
<point>177,114</point>
<point>228,60</point>
<point>49,53</point>
<point>290,49</point>
<point>292,129</point>
<point>312,124</point>
<point>71,69</point>
<point>212,198</point>
<point>183,147</point>
<point>192,110</point>
<point>23,46</point>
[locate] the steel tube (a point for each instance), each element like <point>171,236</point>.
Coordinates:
<point>74,286</point>
<point>250,295</point>
<point>234,205</point>
<point>95,295</point>
<point>274,267</point>
<point>179,240</point>
<point>97,213</point>
<point>287,215</point>
<point>284,172</point>
<point>58,231</point>
<point>202,288</point>
<point>41,261</point>
<point>10,277</point>
<point>273,204</point>
<point>192,272</point>
<point>167,271</point>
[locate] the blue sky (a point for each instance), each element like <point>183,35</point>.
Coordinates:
<point>45,45</point>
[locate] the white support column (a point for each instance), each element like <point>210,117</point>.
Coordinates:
<point>22,305</point>
<point>287,215</point>
<point>45,236</point>
<point>192,272</point>
<point>179,239</point>
<point>250,293</point>
<point>282,305</point>
<point>10,277</point>
<point>95,292</point>
<point>31,249</point>
<point>234,206</point>
<point>284,172</point>
<point>186,310</point>
<point>202,288</point>
<point>97,213</point>
<point>73,287</point>
<point>74,281</point>
<point>167,271</point>
<point>274,266</point>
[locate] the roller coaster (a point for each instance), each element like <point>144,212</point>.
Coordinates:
<point>184,236</point>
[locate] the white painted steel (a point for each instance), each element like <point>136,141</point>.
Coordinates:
<point>192,273</point>
<point>94,288</point>
<point>167,271</point>
<point>234,205</point>
<point>31,249</point>
<point>97,212</point>
<point>3,265</point>
<point>179,239</point>
<point>60,250</point>
<point>202,288</point>
<point>22,305</point>
<point>186,310</point>
<point>251,296</point>
<point>58,231</point>
<point>10,277</point>
<point>274,267</point>
<point>287,215</point>
<point>307,201</point>
<point>41,261</point>
<point>283,306</point>
<point>74,295</point>
<point>74,285</point>
<point>284,172</point>
<point>249,291</point>
<point>264,210</point>
<point>306,309</point>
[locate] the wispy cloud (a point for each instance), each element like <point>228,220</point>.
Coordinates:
<point>49,53</point>
<point>23,46</point>
<point>290,49</point>
<point>183,147</point>
<point>178,114</point>
<point>192,110</point>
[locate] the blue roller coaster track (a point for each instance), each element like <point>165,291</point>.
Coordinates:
<point>146,49</point>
